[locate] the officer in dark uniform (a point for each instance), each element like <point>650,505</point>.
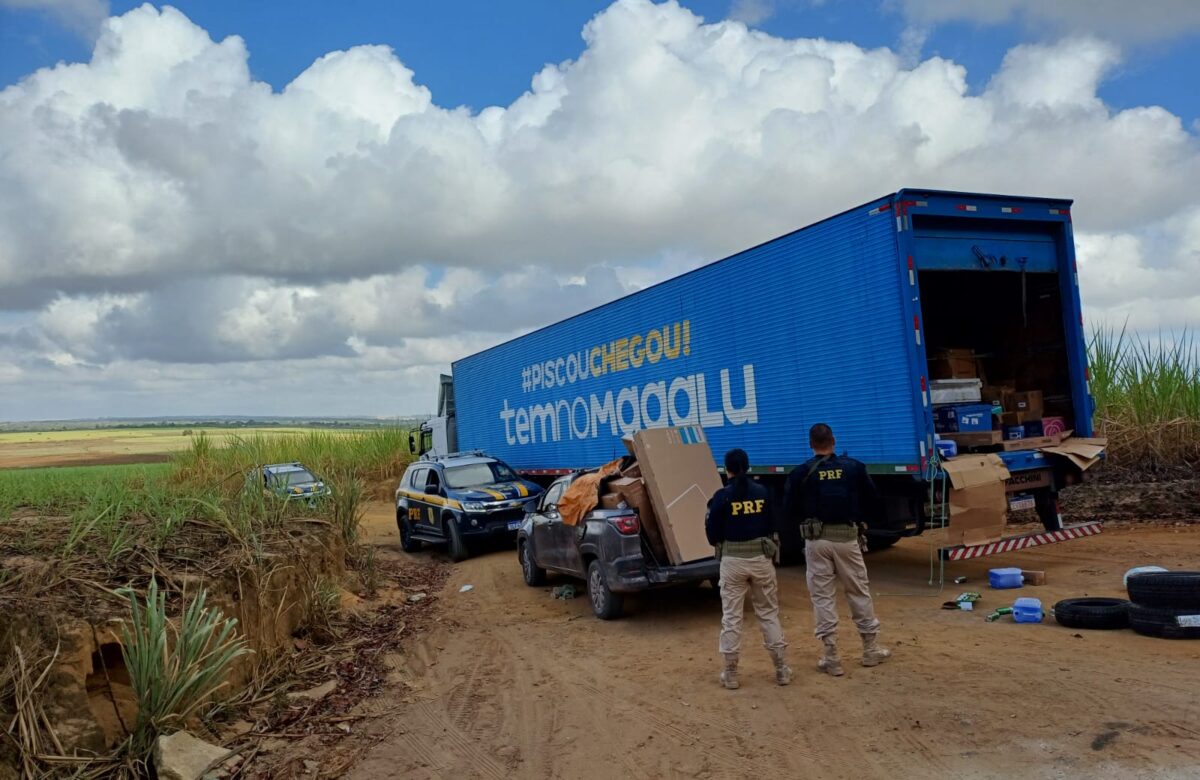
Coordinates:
<point>738,525</point>
<point>828,497</point>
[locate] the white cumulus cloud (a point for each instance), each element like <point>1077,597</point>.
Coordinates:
<point>163,212</point>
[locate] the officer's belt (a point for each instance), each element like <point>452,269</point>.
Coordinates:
<point>840,532</point>
<point>752,548</point>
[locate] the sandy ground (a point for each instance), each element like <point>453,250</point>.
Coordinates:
<point>513,683</point>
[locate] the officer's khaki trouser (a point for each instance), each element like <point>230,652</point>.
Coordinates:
<point>756,576</point>
<point>829,561</point>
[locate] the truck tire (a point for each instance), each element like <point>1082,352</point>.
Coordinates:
<point>1046,504</point>
<point>605,604</point>
<point>534,575</point>
<point>1168,589</point>
<point>1093,613</point>
<point>407,543</point>
<point>458,548</point>
<point>1165,623</point>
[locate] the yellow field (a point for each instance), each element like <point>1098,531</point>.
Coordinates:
<point>112,446</point>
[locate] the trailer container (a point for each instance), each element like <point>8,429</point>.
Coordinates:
<point>839,322</point>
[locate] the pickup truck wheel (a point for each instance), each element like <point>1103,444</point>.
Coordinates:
<point>407,542</point>
<point>534,576</point>
<point>606,604</point>
<point>458,548</point>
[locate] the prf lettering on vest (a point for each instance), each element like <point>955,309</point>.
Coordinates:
<point>831,474</point>
<point>747,507</point>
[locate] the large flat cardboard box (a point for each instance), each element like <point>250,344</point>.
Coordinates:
<point>632,490</point>
<point>978,504</point>
<point>1084,453</point>
<point>680,476</point>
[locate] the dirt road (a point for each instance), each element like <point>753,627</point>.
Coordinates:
<point>514,683</point>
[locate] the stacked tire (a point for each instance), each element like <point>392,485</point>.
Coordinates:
<point>1165,604</point>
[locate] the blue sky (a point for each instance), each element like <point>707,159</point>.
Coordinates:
<point>179,234</point>
<point>480,52</point>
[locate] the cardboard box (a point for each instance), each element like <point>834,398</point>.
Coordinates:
<point>1018,418</point>
<point>1033,577</point>
<point>632,490</point>
<point>954,364</point>
<point>978,505</point>
<point>978,439</point>
<point>962,418</point>
<point>1083,453</point>
<point>954,391</point>
<point>1028,443</point>
<point>633,471</point>
<point>612,501</point>
<point>680,476</point>
<point>1053,425</point>
<point>1014,432</point>
<point>997,395</point>
<point>1029,402</point>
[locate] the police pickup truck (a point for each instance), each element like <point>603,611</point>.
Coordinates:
<point>460,499</point>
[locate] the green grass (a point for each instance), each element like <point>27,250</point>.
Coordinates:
<point>107,512</point>
<point>66,489</point>
<point>369,456</point>
<point>1147,399</point>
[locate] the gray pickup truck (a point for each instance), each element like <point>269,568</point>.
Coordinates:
<point>607,550</point>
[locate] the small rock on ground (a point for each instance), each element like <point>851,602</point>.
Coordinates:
<point>180,756</point>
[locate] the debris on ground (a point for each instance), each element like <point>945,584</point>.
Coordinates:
<point>414,598</point>
<point>996,614</point>
<point>314,694</point>
<point>466,588</point>
<point>180,756</point>
<point>564,592</point>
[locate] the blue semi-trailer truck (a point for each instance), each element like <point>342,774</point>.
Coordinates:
<point>835,322</point>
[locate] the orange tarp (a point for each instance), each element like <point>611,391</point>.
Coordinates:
<point>584,493</point>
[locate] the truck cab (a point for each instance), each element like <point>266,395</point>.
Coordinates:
<point>437,436</point>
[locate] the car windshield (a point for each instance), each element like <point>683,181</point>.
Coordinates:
<point>472,474</point>
<point>301,477</point>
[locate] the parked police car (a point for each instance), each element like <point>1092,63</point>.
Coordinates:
<point>288,481</point>
<point>458,499</point>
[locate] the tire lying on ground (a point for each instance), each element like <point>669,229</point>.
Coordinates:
<point>1164,622</point>
<point>1167,589</point>
<point>1092,613</point>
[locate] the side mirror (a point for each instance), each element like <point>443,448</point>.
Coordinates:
<point>412,444</point>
